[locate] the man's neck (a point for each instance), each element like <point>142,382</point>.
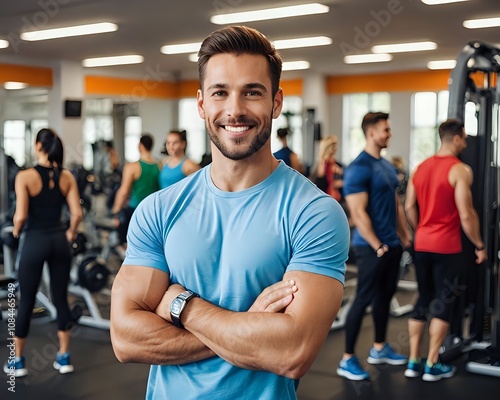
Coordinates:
<point>234,176</point>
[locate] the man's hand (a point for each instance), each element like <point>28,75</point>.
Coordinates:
<point>274,298</point>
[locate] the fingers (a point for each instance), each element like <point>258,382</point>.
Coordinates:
<point>275,297</point>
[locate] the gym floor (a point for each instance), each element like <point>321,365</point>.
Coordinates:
<point>98,375</point>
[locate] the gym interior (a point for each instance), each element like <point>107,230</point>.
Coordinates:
<point>95,108</point>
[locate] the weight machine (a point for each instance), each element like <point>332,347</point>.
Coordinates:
<point>475,99</point>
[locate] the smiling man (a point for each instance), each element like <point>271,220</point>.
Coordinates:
<point>234,275</point>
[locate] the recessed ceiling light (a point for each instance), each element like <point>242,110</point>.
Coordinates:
<point>302,42</point>
<point>4,44</point>
<point>15,85</point>
<point>367,58</point>
<point>181,48</point>
<point>482,23</point>
<point>116,60</point>
<point>404,47</point>
<point>193,57</point>
<point>442,64</point>
<point>270,13</point>
<point>437,2</point>
<point>278,44</point>
<point>79,30</point>
<point>295,65</point>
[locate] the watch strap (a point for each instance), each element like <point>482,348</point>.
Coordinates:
<point>185,297</point>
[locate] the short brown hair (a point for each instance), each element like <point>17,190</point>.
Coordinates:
<point>373,118</point>
<point>240,40</point>
<point>451,127</point>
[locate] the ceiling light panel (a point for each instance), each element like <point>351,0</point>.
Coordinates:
<point>117,60</point>
<point>4,44</point>
<point>482,23</point>
<point>367,58</point>
<point>302,42</point>
<point>15,85</point>
<point>79,30</point>
<point>442,64</point>
<point>404,47</point>
<point>438,2</point>
<point>270,13</point>
<point>295,65</point>
<point>181,48</point>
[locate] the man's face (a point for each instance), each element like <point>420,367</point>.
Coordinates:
<point>381,133</point>
<point>237,104</point>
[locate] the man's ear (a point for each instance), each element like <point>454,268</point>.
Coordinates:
<point>277,103</point>
<point>200,104</point>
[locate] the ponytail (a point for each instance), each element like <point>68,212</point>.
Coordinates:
<point>52,145</point>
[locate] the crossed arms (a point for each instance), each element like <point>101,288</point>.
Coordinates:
<point>282,332</point>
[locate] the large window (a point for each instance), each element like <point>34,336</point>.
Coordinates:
<point>14,140</point>
<point>133,129</point>
<point>195,129</point>
<point>291,117</point>
<point>97,126</point>
<point>355,107</point>
<point>429,109</point>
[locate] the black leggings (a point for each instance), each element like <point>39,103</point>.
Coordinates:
<point>36,248</point>
<point>438,284</point>
<point>376,284</point>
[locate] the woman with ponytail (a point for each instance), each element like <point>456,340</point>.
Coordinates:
<point>41,194</point>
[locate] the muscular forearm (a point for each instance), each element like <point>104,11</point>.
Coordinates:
<point>364,226</point>
<point>143,337</point>
<point>470,226</point>
<point>262,341</point>
<point>283,343</point>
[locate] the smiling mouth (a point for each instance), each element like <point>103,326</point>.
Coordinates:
<point>236,129</point>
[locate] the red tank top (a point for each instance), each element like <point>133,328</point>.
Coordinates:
<point>438,229</point>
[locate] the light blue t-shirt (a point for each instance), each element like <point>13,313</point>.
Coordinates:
<point>168,176</point>
<point>228,247</point>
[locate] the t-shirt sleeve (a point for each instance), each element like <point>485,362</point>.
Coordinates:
<point>356,179</point>
<point>320,240</point>
<point>145,243</point>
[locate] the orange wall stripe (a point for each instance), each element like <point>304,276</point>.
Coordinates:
<point>389,82</point>
<point>136,88</point>
<point>188,88</point>
<point>35,76</point>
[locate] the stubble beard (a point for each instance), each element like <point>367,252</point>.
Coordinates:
<point>241,152</point>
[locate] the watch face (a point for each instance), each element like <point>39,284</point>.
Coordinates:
<point>175,306</point>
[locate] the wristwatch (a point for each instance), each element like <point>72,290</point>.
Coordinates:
<point>178,304</point>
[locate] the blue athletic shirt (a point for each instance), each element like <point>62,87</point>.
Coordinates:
<point>228,247</point>
<point>168,176</point>
<point>379,179</point>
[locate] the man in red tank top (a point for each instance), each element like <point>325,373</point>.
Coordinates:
<point>438,203</point>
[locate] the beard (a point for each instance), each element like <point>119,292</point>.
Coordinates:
<point>237,149</point>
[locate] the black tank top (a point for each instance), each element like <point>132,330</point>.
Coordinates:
<point>45,209</point>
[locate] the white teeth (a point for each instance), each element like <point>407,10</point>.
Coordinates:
<point>236,129</point>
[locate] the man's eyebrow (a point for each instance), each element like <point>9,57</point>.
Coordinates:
<point>252,85</point>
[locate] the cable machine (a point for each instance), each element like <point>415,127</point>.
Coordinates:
<point>474,85</point>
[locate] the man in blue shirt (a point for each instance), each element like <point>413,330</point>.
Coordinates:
<point>370,184</point>
<point>234,275</point>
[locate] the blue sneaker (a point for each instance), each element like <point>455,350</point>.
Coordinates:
<point>438,371</point>
<point>351,369</point>
<point>415,368</point>
<point>63,364</point>
<point>17,365</point>
<point>386,356</point>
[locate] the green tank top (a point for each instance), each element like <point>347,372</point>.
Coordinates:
<point>146,184</point>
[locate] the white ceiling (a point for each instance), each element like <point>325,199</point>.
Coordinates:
<point>144,26</point>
